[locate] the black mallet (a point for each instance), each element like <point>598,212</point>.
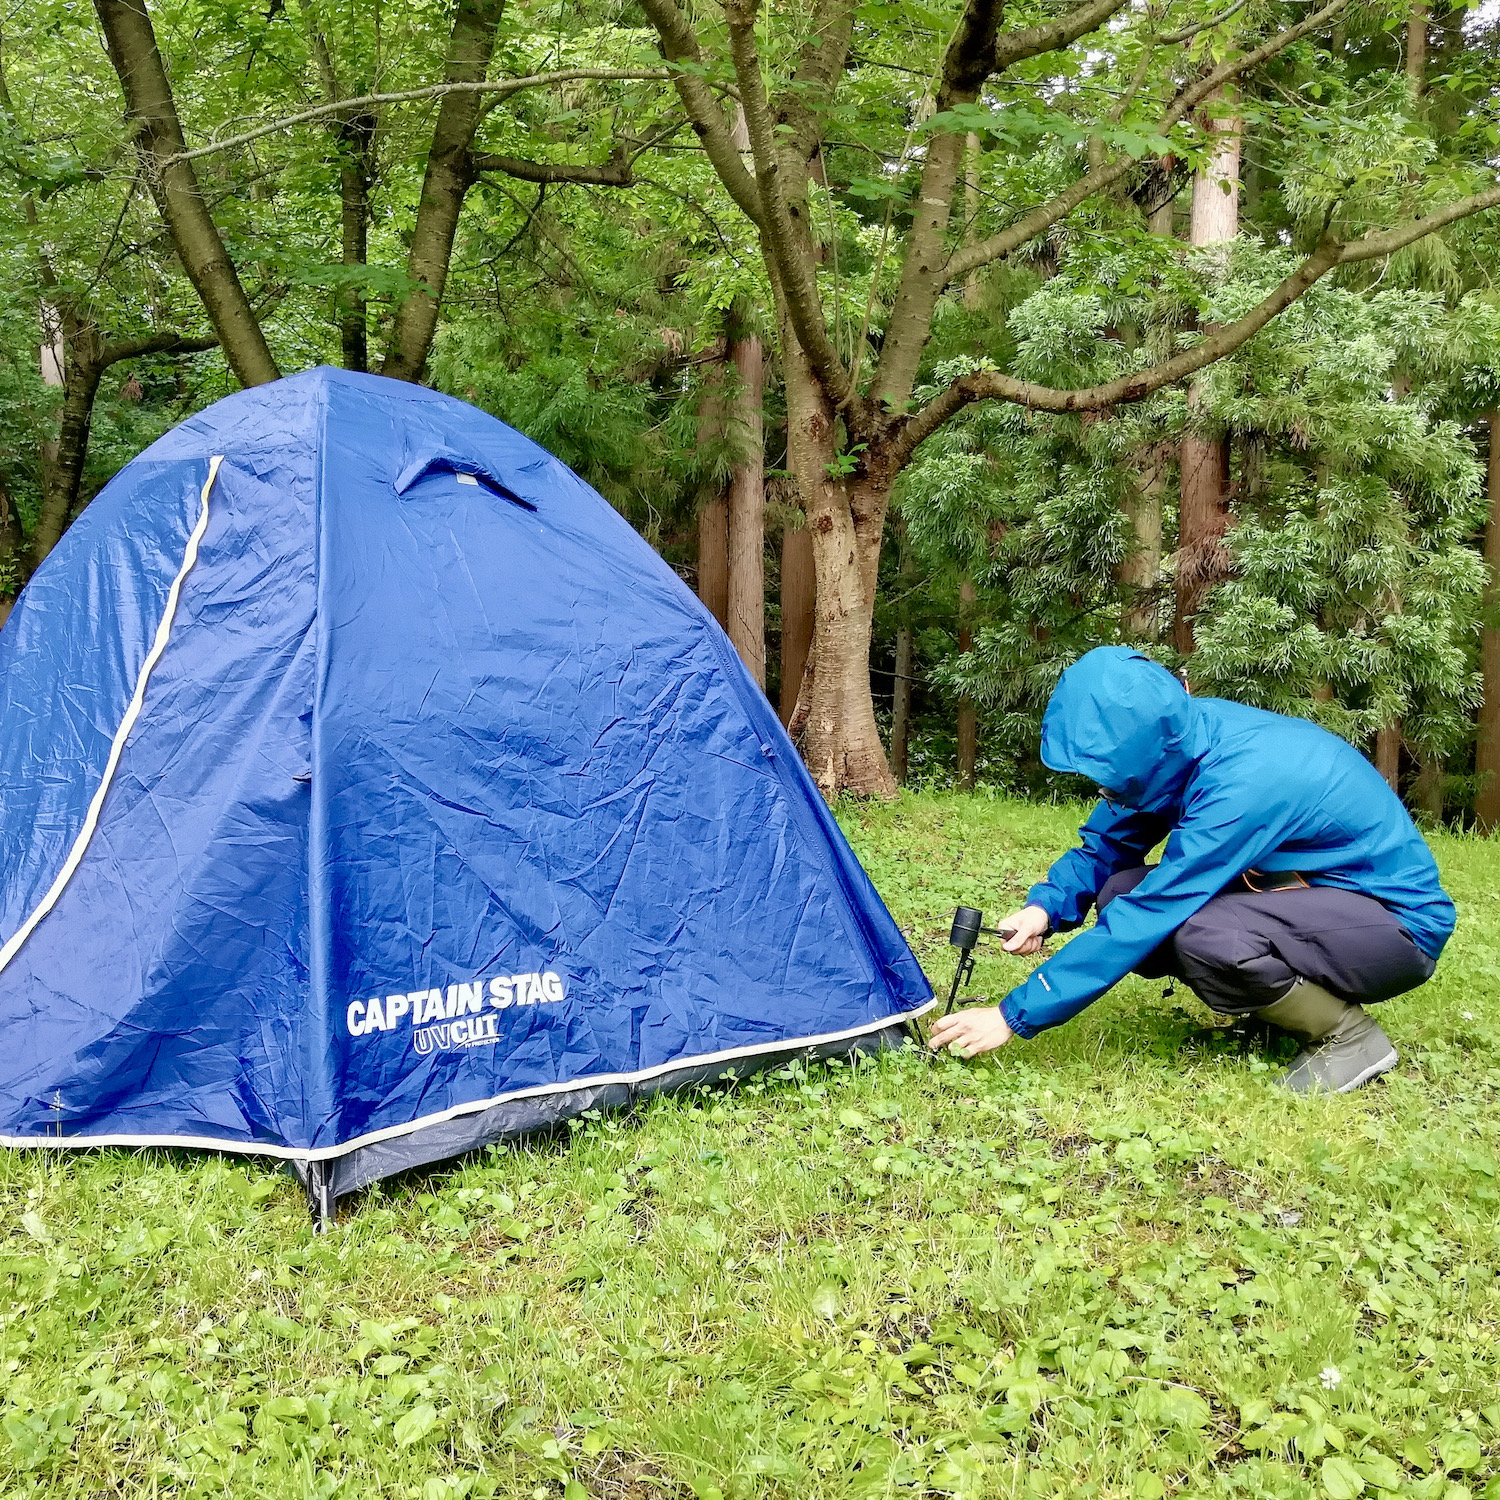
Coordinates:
<point>968,926</point>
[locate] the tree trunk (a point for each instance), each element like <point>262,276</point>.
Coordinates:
<point>1487,744</point>
<point>798,602</point>
<point>845,519</point>
<point>174,185</point>
<point>1203,509</point>
<point>1388,754</point>
<point>1427,789</point>
<point>88,357</point>
<point>354,194</point>
<point>1161,218</point>
<point>66,469</point>
<point>745,425</point>
<point>973,294</point>
<point>1139,571</point>
<point>11,560</point>
<point>713,505</point>
<point>353,137</point>
<point>713,558</point>
<point>1202,521</point>
<point>843,747</point>
<point>1416,45</point>
<point>449,174</point>
<point>968,725</point>
<point>52,361</point>
<point>905,642</point>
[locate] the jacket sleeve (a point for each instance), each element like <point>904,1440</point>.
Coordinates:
<point>1220,835</point>
<point>1114,838</point>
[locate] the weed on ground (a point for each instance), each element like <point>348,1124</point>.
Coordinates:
<point>1113,1261</point>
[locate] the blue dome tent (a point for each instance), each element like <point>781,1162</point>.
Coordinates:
<point>370,791</point>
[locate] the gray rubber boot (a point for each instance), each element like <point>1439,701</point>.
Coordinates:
<point>1344,1048</point>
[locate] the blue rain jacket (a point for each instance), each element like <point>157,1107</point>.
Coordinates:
<point>1231,789</point>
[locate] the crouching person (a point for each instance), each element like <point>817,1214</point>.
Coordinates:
<point>1293,886</point>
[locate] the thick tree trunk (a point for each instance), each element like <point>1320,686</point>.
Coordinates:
<point>1487,744</point>
<point>845,518</point>
<point>1203,510</point>
<point>968,722</point>
<point>1216,189</point>
<point>747,505</point>
<point>174,185</point>
<point>843,747</point>
<point>799,593</point>
<point>449,174</point>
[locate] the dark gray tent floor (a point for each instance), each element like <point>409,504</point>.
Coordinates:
<point>328,1181</point>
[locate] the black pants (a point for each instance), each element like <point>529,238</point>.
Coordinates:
<point>1243,950</point>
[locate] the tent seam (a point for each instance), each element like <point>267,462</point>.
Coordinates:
<point>127,723</point>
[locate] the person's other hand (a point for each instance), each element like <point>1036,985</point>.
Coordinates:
<point>967,1033</point>
<point>1029,928</point>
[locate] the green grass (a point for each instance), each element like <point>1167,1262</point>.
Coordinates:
<point>1111,1261</point>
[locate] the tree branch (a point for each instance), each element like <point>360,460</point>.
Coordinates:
<point>977,51</point>
<point>990,385</point>
<point>821,64</point>
<point>1188,99</point>
<point>1016,46</point>
<point>152,343</point>
<point>616,172</point>
<point>795,270</point>
<point>151,112</point>
<point>1175,38</point>
<point>679,45</point>
<point>501,86</point>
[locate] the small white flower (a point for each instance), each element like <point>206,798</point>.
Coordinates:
<point>1330,1377</point>
<point>1468,1015</point>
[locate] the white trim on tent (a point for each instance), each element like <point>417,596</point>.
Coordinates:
<point>330,1153</point>
<point>117,748</point>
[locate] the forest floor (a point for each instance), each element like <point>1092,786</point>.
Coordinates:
<point>1115,1260</point>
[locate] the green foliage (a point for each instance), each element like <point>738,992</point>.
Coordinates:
<point>1112,1261</point>
<point>1355,571</point>
<point>1356,585</point>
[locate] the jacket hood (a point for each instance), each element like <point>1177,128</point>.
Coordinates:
<point>1126,723</point>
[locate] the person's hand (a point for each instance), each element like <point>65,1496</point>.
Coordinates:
<point>1029,928</point>
<point>967,1033</point>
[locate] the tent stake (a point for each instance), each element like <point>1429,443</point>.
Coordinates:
<point>319,1201</point>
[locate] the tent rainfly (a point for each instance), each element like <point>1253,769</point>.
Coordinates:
<point>370,791</point>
